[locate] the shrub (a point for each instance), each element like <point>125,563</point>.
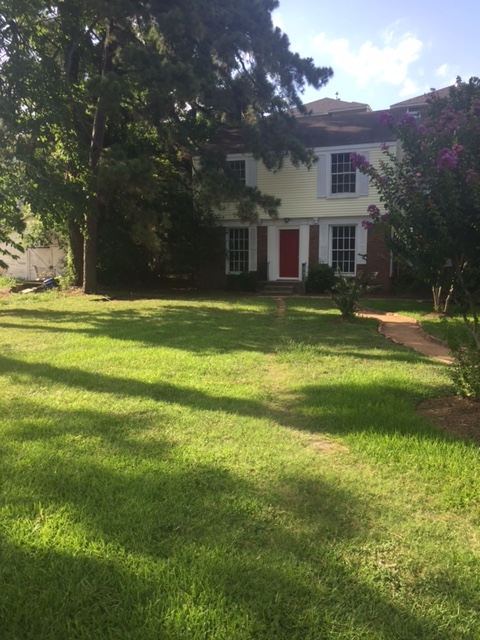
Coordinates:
<point>320,278</point>
<point>465,369</point>
<point>245,281</point>
<point>347,291</point>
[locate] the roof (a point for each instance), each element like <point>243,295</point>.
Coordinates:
<point>422,100</point>
<point>325,106</point>
<point>340,128</point>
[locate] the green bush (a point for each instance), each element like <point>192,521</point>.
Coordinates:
<point>320,278</point>
<point>245,281</point>
<point>347,291</point>
<point>6,281</point>
<point>465,369</point>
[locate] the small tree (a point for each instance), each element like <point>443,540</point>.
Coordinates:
<point>347,291</point>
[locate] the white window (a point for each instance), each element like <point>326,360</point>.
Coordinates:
<point>343,175</point>
<point>244,167</point>
<point>239,169</point>
<point>336,177</point>
<point>238,250</point>
<point>343,248</point>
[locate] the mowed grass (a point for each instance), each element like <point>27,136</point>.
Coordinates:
<point>193,469</point>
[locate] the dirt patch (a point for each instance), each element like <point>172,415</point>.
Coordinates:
<point>459,417</point>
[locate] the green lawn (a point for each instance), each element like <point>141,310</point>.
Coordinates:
<point>207,469</point>
<point>421,310</point>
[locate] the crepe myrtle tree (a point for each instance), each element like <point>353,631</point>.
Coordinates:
<point>430,196</point>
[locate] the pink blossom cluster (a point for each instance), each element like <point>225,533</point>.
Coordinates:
<point>375,215</point>
<point>448,158</point>
<point>359,161</point>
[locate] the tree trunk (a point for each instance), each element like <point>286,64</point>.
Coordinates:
<point>437,295</point>
<point>96,148</point>
<point>75,237</point>
<point>90,253</point>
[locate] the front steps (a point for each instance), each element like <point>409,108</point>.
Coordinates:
<point>281,287</point>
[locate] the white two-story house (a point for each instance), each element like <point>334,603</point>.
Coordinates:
<point>322,208</point>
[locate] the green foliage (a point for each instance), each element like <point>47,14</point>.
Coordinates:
<point>431,192</point>
<point>6,281</point>
<point>103,105</point>
<point>347,291</point>
<point>465,370</point>
<point>320,278</point>
<point>245,281</point>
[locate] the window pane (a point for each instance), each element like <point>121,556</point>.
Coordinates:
<point>343,174</point>
<point>238,168</point>
<point>343,248</point>
<point>238,247</point>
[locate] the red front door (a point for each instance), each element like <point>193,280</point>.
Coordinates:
<point>289,241</point>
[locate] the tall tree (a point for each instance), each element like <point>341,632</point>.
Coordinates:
<point>87,85</point>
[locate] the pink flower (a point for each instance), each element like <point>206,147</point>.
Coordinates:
<point>448,158</point>
<point>359,162</point>
<point>367,224</point>
<point>386,118</point>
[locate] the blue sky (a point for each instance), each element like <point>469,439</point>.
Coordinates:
<point>384,52</point>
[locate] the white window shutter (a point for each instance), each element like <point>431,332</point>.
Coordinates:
<point>323,244</point>
<point>251,172</point>
<point>322,176</point>
<point>361,244</point>
<point>252,249</point>
<point>363,180</point>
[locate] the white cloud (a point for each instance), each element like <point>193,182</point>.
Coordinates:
<point>443,71</point>
<point>389,62</point>
<point>409,89</point>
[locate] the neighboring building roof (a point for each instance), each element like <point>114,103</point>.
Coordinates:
<point>422,100</point>
<point>325,106</point>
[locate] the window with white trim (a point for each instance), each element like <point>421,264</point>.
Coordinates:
<point>239,169</point>
<point>336,178</point>
<point>343,174</point>
<point>343,248</point>
<point>238,250</point>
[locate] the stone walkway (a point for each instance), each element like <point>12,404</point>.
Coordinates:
<point>409,333</point>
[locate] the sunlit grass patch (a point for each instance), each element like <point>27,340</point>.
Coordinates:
<point>208,468</point>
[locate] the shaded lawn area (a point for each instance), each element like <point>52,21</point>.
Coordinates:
<point>208,468</point>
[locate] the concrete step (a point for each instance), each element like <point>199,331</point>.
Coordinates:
<point>281,288</point>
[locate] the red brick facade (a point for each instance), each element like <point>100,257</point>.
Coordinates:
<point>378,258</point>
<point>313,244</point>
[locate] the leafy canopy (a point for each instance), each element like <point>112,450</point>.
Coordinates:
<point>103,103</point>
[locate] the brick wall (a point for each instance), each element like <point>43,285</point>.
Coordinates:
<point>313,244</point>
<point>378,257</point>
<point>210,273</point>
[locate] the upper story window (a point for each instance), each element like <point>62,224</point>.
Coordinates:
<point>336,178</point>
<point>239,169</point>
<point>343,174</point>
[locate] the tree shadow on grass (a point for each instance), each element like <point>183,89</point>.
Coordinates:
<point>149,544</point>
<point>190,551</point>
<point>331,408</point>
<point>195,328</point>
